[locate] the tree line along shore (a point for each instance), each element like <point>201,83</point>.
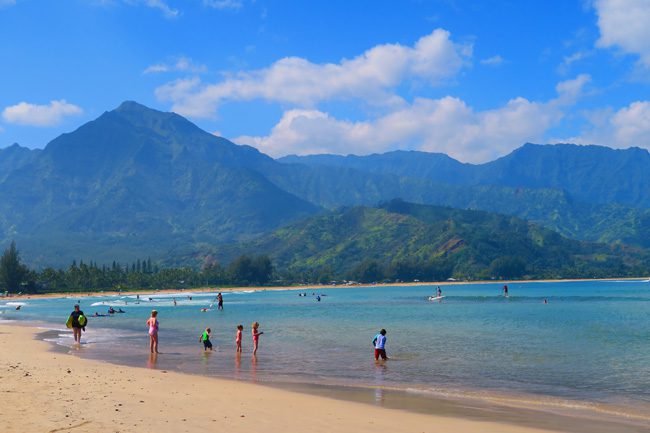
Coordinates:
<point>253,270</point>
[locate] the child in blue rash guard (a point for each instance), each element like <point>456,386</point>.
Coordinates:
<point>379,342</point>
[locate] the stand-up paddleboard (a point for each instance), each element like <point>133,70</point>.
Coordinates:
<point>436,298</point>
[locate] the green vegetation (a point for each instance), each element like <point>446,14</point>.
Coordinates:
<point>407,241</point>
<point>138,182</point>
<point>139,275</point>
<point>12,271</point>
<point>397,241</point>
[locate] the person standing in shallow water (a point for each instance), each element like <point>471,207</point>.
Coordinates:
<point>153,331</point>
<point>379,342</point>
<point>256,336</point>
<point>77,327</point>
<point>219,301</point>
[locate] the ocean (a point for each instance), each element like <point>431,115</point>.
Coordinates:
<point>588,347</point>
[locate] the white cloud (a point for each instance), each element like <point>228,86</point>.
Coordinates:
<point>40,115</point>
<point>568,61</point>
<point>624,24</point>
<point>371,77</point>
<point>629,126</point>
<point>570,90</point>
<point>224,4</point>
<point>446,125</point>
<point>160,5</point>
<point>493,61</point>
<point>167,10</point>
<point>182,64</point>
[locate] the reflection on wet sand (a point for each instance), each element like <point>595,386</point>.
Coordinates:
<point>254,368</point>
<point>153,360</point>
<point>380,376</point>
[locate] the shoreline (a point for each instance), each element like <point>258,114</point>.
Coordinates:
<point>36,376</point>
<point>99,293</point>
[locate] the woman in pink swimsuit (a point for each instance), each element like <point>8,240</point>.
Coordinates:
<point>256,336</point>
<point>152,322</point>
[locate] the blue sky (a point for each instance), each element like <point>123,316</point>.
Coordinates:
<point>474,79</point>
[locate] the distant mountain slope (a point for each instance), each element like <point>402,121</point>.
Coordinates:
<point>573,189</point>
<point>14,157</point>
<point>400,235</point>
<point>435,167</point>
<point>142,180</point>
<point>590,174</point>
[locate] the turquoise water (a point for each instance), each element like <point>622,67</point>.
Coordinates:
<point>591,342</point>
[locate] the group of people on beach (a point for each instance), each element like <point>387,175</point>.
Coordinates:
<point>207,344</point>
<point>204,338</point>
<point>77,321</point>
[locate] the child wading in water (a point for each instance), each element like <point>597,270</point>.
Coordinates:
<point>238,337</point>
<point>153,331</point>
<point>205,338</point>
<point>256,336</point>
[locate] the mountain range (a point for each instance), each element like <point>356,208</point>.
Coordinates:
<point>138,182</point>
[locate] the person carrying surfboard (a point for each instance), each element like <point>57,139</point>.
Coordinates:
<point>77,321</point>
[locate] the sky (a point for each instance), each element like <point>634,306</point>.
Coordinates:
<point>473,79</point>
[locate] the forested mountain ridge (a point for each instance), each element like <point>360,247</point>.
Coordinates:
<point>400,240</point>
<point>590,174</point>
<point>137,182</point>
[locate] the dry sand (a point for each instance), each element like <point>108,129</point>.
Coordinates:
<point>44,391</point>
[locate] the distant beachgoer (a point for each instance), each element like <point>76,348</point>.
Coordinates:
<point>379,342</point>
<point>205,338</point>
<point>174,302</point>
<point>439,291</point>
<point>238,337</point>
<point>137,297</point>
<point>318,298</point>
<point>111,310</point>
<point>219,301</point>
<point>204,310</point>
<point>18,307</point>
<point>256,336</point>
<point>78,323</point>
<point>505,290</point>
<point>153,324</point>
<point>545,301</point>
<point>189,297</point>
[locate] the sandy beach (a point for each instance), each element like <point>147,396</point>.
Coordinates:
<point>46,391</point>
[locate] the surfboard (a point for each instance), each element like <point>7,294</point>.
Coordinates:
<point>436,298</point>
<point>68,324</point>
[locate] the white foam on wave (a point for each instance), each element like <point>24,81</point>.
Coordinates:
<point>16,304</point>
